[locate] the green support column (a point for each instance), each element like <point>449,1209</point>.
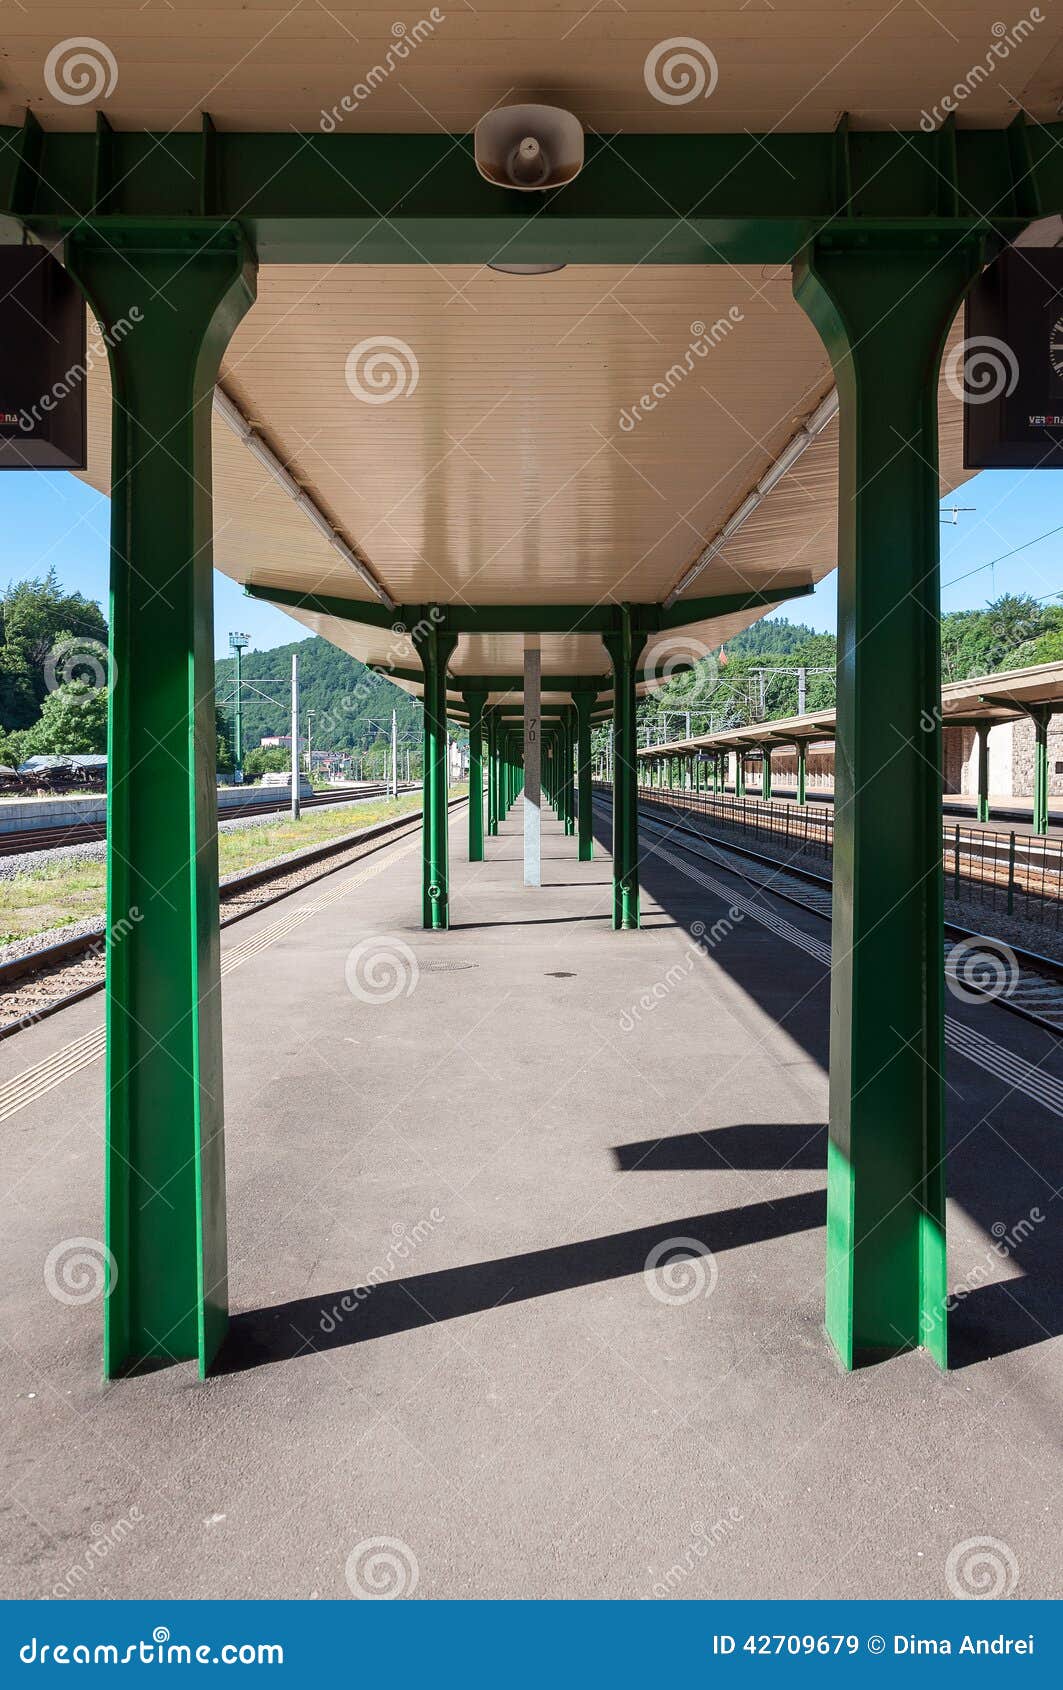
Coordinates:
<point>492,773</point>
<point>624,648</point>
<point>883,307</point>
<point>474,703</point>
<point>186,288</point>
<point>801,750</point>
<point>740,775</point>
<point>569,742</point>
<point>584,703</point>
<point>982,730</point>
<point>1040,717</point>
<point>765,774</point>
<point>435,649</point>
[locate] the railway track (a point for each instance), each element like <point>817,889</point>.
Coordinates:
<point>977,965</point>
<point>42,982</point>
<point>85,833</point>
<point>1013,872</point>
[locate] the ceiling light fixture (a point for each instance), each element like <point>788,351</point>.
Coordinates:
<point>800,442</point>
<point>263,454</point>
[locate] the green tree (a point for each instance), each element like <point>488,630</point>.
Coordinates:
<point>47,637</point>
<point>73,719</point>
<point>268,759</point>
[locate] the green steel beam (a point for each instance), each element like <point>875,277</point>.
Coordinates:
<point>883,309</point>
<point>522,619</point>
<point>165,1163</point>
<point>685,611</point>
<point>417,198</point>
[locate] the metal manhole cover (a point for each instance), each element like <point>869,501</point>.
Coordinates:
<point>439,966</point>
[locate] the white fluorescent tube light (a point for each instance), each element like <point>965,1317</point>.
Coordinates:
<point>798,443</point>
<point>234,417</point>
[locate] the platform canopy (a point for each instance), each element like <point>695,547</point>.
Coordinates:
<point>572,440</point>
<point>1003,697</point>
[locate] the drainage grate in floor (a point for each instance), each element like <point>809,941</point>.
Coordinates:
<point>438,965</point>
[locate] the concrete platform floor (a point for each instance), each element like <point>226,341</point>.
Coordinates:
<point>451,1159</point>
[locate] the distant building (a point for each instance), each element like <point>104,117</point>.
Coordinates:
<point>275,742</point>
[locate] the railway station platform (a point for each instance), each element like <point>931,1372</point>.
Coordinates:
<point>526,1268</point>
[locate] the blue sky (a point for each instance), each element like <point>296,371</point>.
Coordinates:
<point>52,518</point>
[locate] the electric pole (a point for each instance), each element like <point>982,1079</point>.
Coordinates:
<point>394,754</point>
<point>237,645</point>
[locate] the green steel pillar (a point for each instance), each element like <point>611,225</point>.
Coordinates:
<point>1040,717</point>
<point>801,750</point>
<point>883,306</point>
<point>740,774</point>
<point>187,288</point>
<point>624,648</point>
<point>765,774</point>
<point>569,741</point>
<point>492,773</point>
<point>474,702</point>
<point>434,649</point>
<point>584,703</point>
<point>982,730</point>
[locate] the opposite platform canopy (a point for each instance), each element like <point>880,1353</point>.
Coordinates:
<point>985,699</point>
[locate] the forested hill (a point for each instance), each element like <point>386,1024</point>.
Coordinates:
<point>352,705</point>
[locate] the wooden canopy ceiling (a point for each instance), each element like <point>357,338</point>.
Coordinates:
<point>780,64</point>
